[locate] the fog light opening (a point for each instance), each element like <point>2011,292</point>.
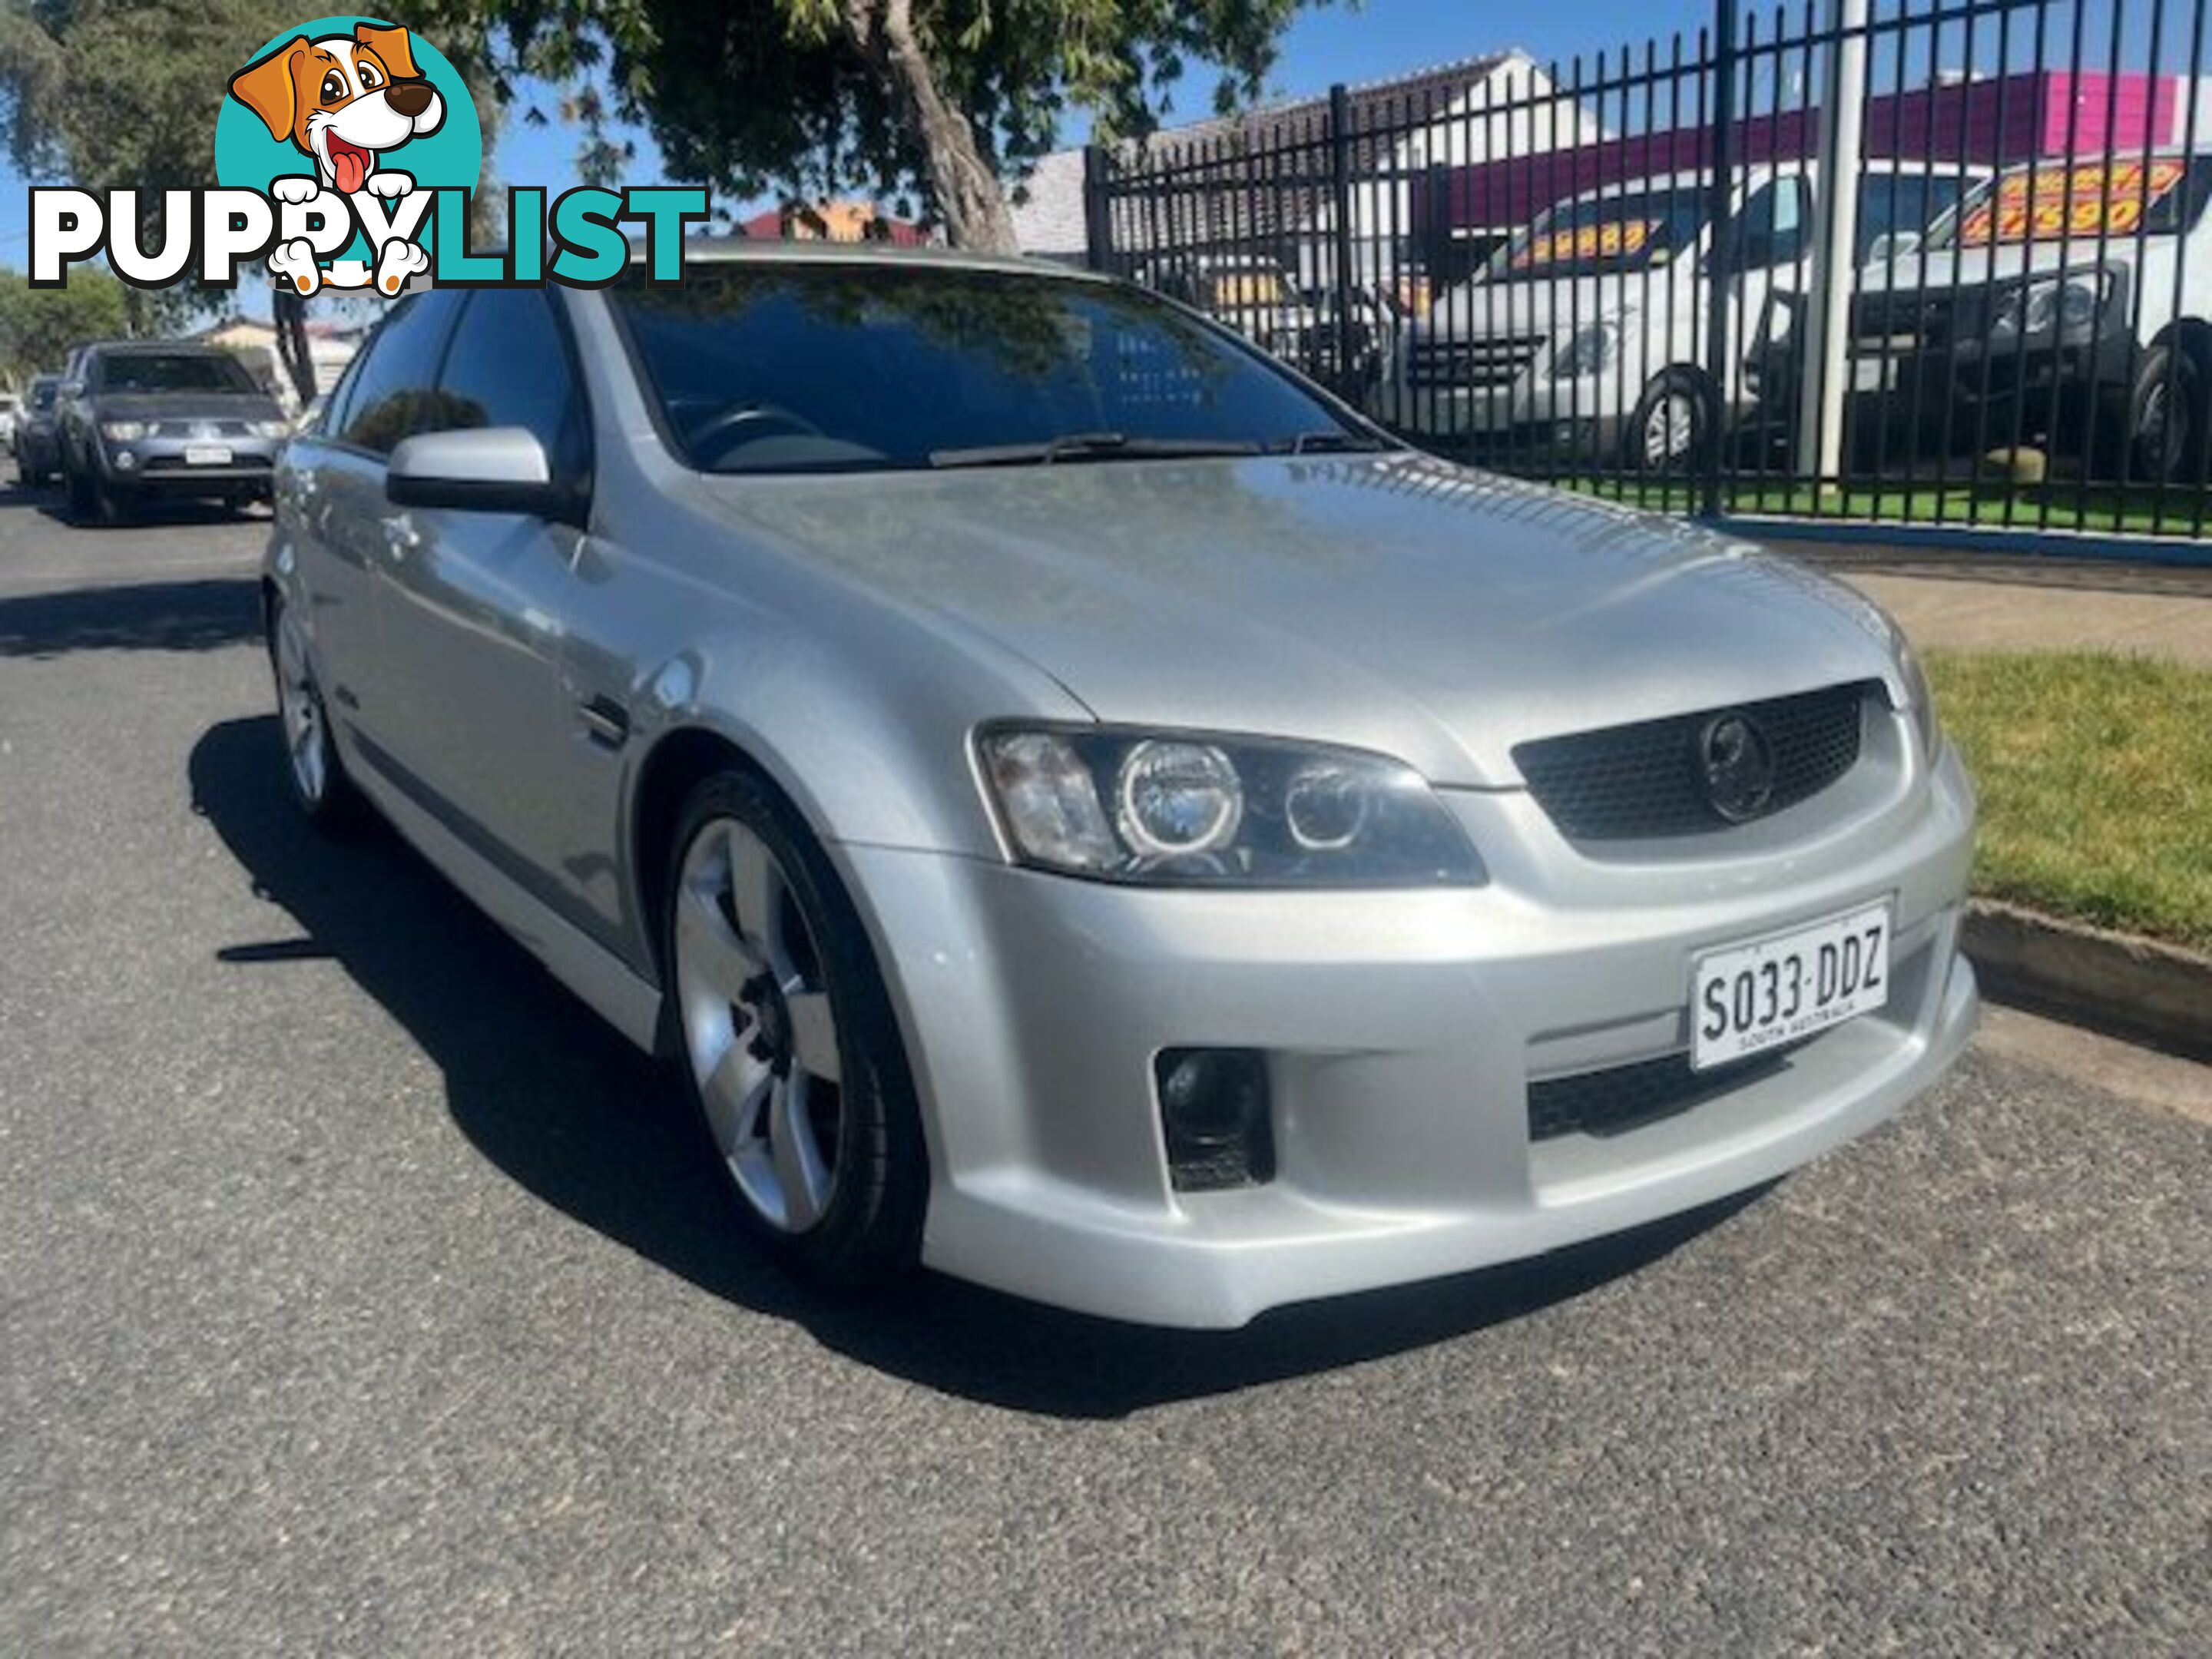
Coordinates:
<point>1214,1118</point>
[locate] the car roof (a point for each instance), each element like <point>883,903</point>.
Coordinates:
<point>1757,173</point>
<point>760,250</point>
<point>164,347</point>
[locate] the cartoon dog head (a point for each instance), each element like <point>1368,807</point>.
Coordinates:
<point>342,99</point>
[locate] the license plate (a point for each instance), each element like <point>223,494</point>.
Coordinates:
<point>207,454</point>
<point>1746,998</point>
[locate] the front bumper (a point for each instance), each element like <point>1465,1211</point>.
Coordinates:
<point>160,466</point>
<point>1575,417</point>
<point>1402,1032</point>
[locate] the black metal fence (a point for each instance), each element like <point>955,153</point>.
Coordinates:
<point>1630,272</point>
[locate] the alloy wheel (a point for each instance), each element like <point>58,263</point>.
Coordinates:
<point>2162,432</point>
<point>1670,430</point>
<point>306,735</point>
<point>759,1031</point>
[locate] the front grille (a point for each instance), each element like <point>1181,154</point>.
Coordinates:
<point>1625,1097</point>
<point>1909,321</point>
<point>198,429</point>
<point>1626,782</point>
<point>1474,364</point>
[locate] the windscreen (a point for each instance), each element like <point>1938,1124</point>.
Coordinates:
<point>773,366</point>
<point>1632,231</point>
<point>2052,201</point>
<point>148,371</point>
<point>1890,203</point>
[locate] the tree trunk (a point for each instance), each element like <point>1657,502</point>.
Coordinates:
<point>965,186</point>
<point>290,312</point>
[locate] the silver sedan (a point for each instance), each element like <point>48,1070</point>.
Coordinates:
<point>1079,808</point>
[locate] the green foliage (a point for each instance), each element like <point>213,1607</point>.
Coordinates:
<point>39,326</point>
<point>759,96</point>
<point>751,97</point>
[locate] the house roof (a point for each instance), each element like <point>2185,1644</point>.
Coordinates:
<point>1389,105</point>
<point>1049,213</point>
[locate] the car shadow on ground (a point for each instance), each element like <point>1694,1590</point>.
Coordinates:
<point>563,1105</point>
<point>14,492</point>
<point>52,501</point>
<point>173,616</point>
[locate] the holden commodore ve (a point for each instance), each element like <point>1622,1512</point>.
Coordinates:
<point>1080,808</point>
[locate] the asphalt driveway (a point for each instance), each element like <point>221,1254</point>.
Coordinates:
<point>359,1292</point>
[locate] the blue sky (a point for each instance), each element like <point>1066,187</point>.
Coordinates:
<point>1381,39</point>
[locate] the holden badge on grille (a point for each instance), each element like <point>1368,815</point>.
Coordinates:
<point>1738,765</point>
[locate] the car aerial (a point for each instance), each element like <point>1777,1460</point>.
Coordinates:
<point>143,419</point>
<point>36,457</point>
<point>1108,822</point>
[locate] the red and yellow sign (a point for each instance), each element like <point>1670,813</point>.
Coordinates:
<point>1247,290</point>
<point>1577,243</point>
<point>2091,198</point>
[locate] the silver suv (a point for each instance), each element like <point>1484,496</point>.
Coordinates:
<point>1079,807</point>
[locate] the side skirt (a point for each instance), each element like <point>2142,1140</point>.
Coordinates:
<point>613,991</point>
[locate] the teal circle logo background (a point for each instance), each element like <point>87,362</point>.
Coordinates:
<point>247,158</point>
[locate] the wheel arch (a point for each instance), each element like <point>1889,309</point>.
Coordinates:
<point>2190,334</point>
<point>680,760</point>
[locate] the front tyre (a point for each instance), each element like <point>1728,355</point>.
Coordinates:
<point>786,1039</point>
<point>2169,418</point>
<point>319,784</point>
<point>1672,431</point>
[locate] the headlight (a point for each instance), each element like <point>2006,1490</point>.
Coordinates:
<point>123,432</point>
<point>1920,695</point>
<point>270,429</point>
<point>1179,809</point>
<point>1590,352</point>
<point>2067,304</point>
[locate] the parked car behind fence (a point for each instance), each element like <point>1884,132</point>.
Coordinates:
<point>1585,335</point>
<point>2040,354</point>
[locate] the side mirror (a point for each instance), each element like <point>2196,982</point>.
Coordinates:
<point>1893,244</point>
<point>69,389</point>
<point>497,469</point>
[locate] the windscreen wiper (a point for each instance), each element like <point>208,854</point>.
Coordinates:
<point>1332,440</point>
<point>1089,447</point>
